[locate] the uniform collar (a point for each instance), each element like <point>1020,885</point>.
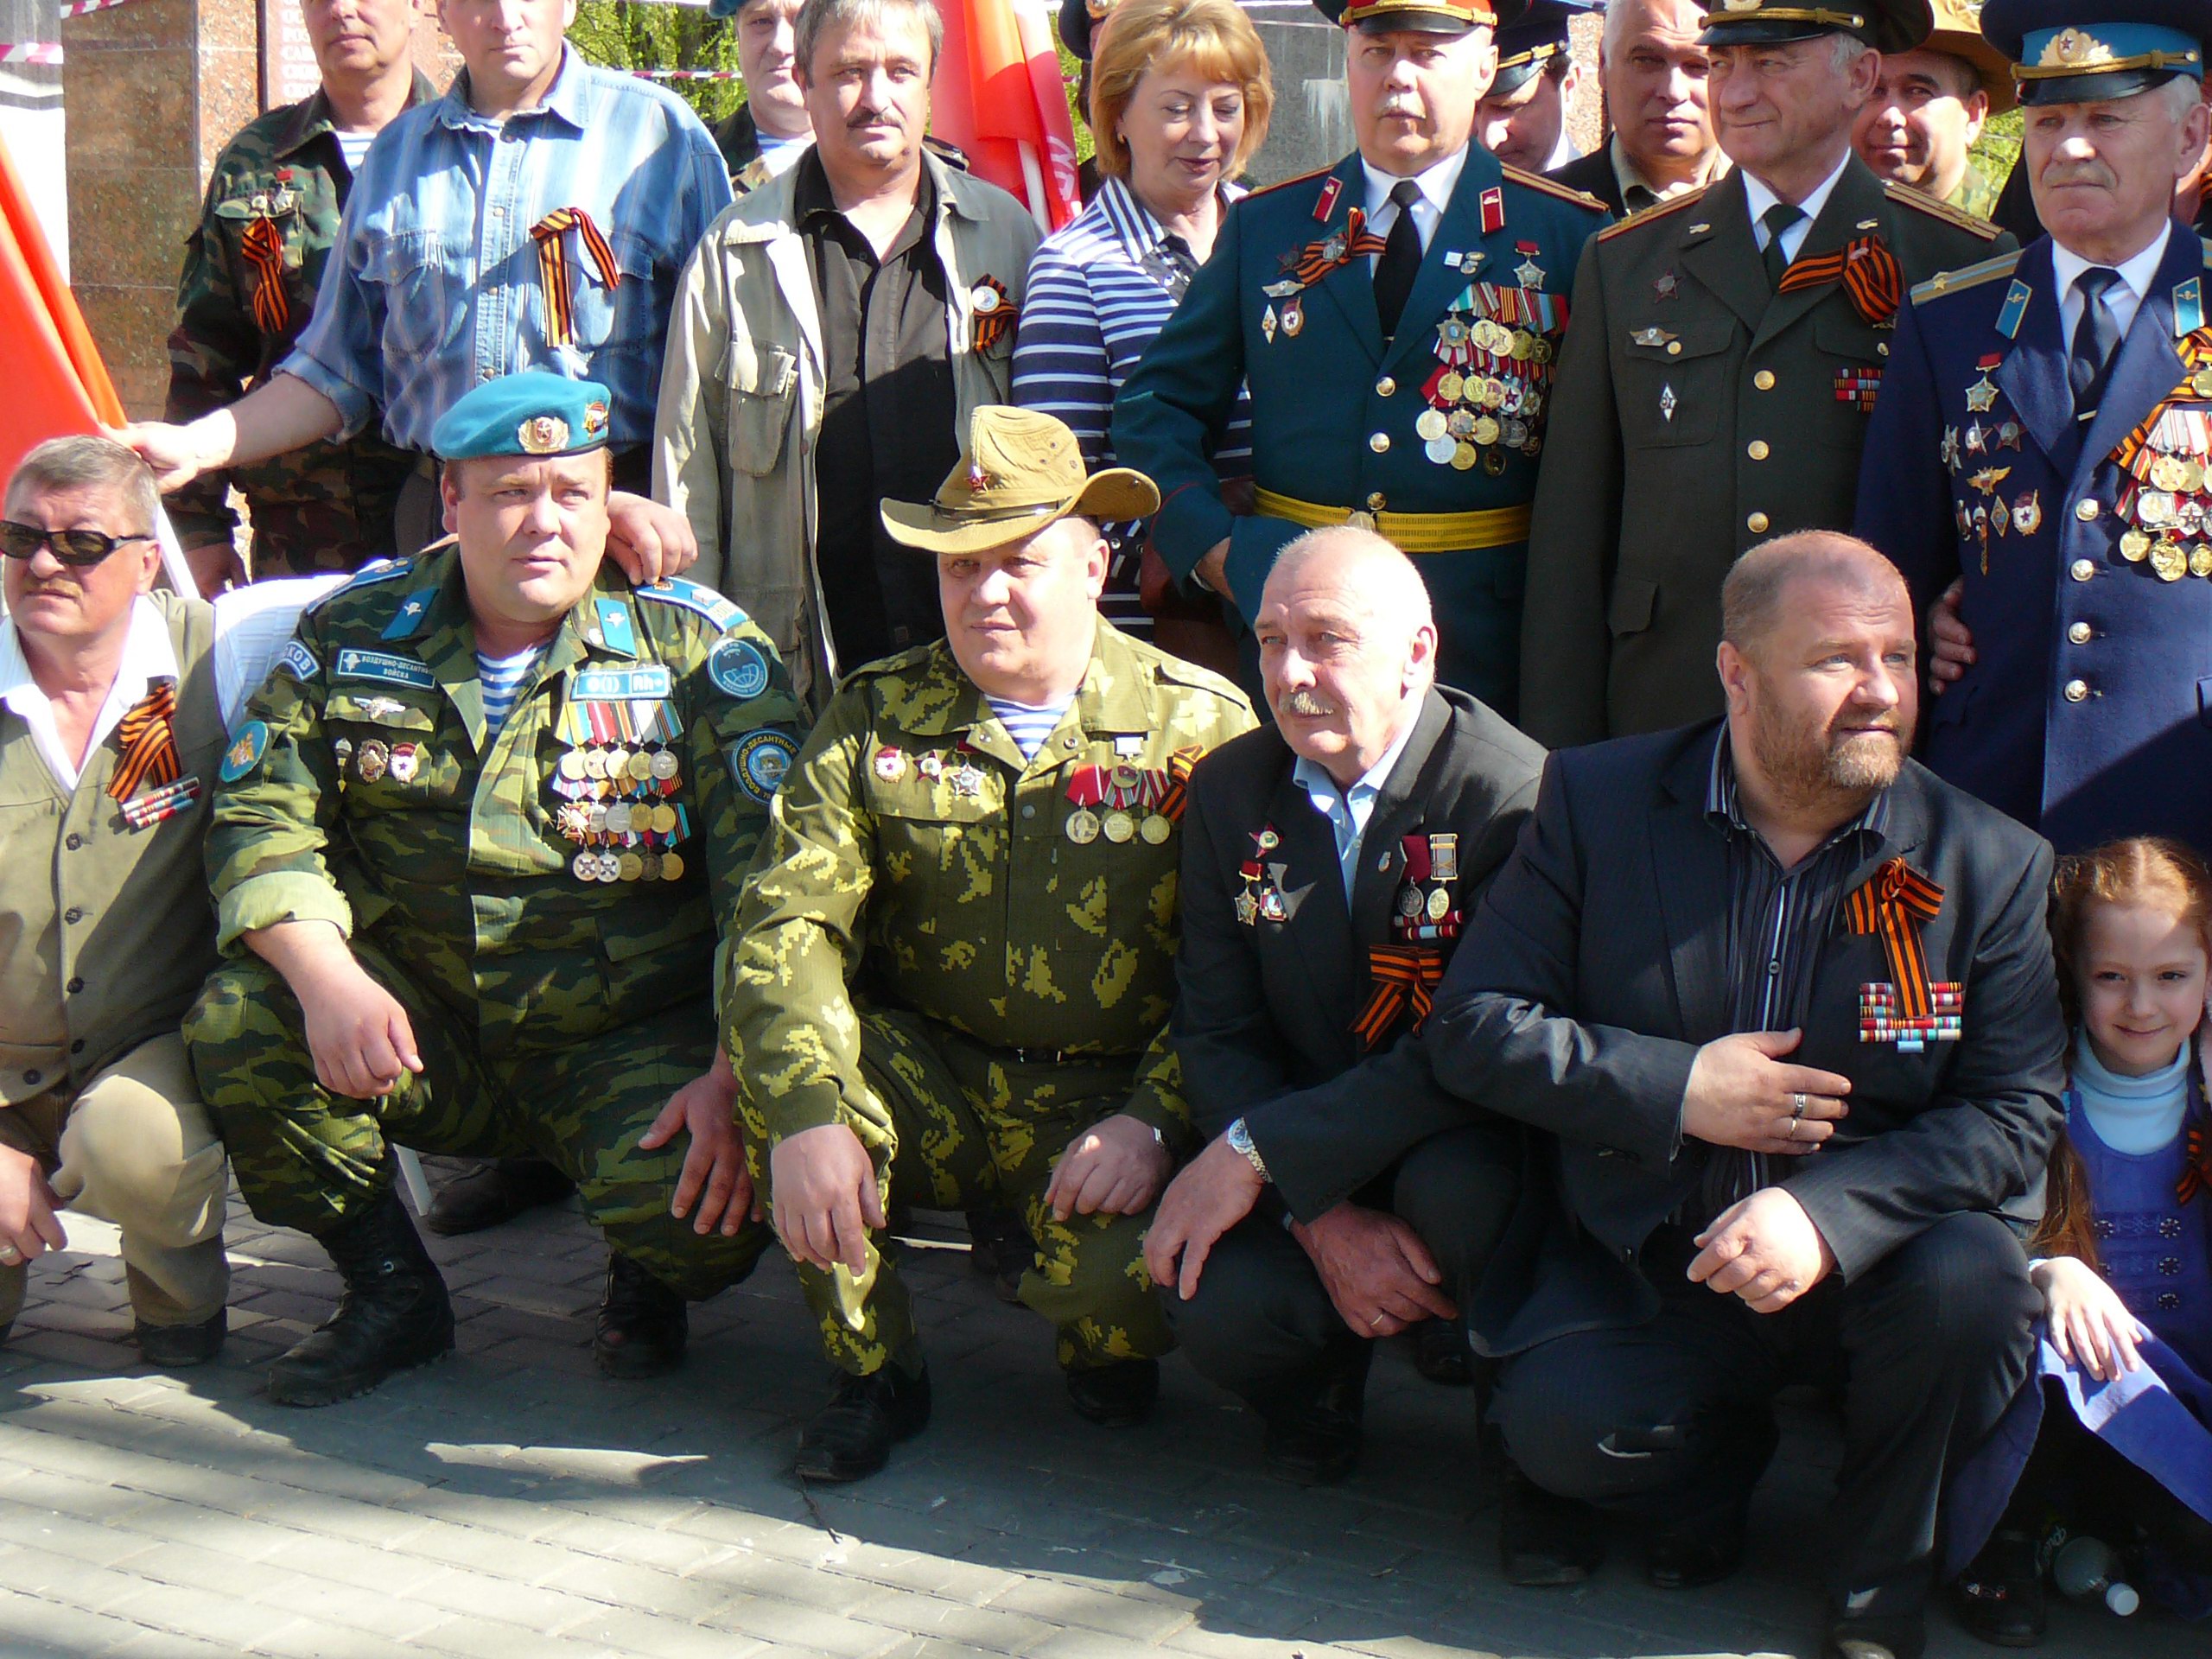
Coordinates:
<point>1758,198</point>
<point>1115,697</point>
<point>311,118</point>
<point>2067,266</point>
<point>1436,183</point>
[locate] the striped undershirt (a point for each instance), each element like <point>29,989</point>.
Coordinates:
<point>1028,723</point>
<point>503,678</point>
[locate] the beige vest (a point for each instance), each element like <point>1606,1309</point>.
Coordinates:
<point>105,930</point>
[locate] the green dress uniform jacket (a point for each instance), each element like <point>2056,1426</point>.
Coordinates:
<point>252,267</point>
<point>1698,413</point>
<point>1430,437</point>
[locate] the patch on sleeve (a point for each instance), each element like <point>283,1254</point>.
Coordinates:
<point>759,761</point>
<point>738,667</point>
<point>299,662</point>
<point>674,591</point>
<point>245,753</point>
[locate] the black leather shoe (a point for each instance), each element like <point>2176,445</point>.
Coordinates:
<point>1895,1635</point>
<point>173,1347</point>
<point>2000,1597</point>
<point>1687,1557</point>
<point>852,1436</point>
<point>1314,1437</point>
<point>1119,1395</point>
<point>643,1325</point>
<point>1441,1354</point>
<point>394,1313</point>
<point>494,1193</point>
<point>1002,1251</point>
<point>1544,1542</point>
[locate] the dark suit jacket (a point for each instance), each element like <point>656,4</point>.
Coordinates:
<point>1266,1010</point>
<point>1597,967</point>
<point>1593,175</point>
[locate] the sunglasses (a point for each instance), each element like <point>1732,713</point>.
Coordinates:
<point>77,547</point>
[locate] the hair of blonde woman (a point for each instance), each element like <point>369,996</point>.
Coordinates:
<point>1139,36</point>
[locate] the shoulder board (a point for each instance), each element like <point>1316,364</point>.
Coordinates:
<point>1553,188</point>
<point>368,575</point>
<point>674,591</point>
<point>1285,184</point>
<point>1950,282</point>
<point>1652,215</point>
<point>1905,196</point>
<point>2206,246</point>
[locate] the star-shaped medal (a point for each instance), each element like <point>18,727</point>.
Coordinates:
<point>1981,397</point>
<point>1528,273</point>
<point>1666,286</point>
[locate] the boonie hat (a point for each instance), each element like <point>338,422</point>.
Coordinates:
<point>1020,470</point>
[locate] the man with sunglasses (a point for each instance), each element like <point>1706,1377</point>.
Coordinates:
<point>111,734</point>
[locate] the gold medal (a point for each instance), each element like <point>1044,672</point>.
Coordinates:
<point>1119,827</point>
<point>2168,562</point>
<point>572,766</point>
<point>2164,474</point>
<point>1155,828</point>
<point>1486,431</point>
<point>595,765</point>
<point>671,867</point>
<point>371,759</point>
<point>1452,386</point>
<point>1440,904</point>
<point>664,819</point>
<point>630,866</point>
<point>1431,425</point>
<point>2134,545</point>
<point>2200,560</point>
<point>2200,382</point>
<point>641,767</point>
<point>2190,472</point>
<point>1083,826</point>
<point>1541,350</point>
<point>1465,457</point>
<point>618,763</point>
<point>1521,344</point>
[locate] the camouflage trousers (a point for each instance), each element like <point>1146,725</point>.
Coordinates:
<point>969,1124</point>
<point>307,1157</point>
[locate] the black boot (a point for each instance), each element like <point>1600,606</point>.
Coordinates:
<point>173,1347</point>
<point>394,1313</point>
<point>852,1436</point>
<point>1314,1429</point>
<point>494,1193</point>
<point>643,1325</point>
<point>1116,1395</point>
<point>2000,1596</point>
<point>1441,1354</point>
<point>1688,1554</point>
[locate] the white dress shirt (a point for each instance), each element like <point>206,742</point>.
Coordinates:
<point>2122,299</point>
<point>1436,186</point>
<point>148,656</point>
<point>1760,199</point>
<point>1349,810</point>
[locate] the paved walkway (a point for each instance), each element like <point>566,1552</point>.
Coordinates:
<point>510,1503</point>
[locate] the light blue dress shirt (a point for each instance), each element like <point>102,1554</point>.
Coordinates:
<point>1349,810</point>
<point>433,284</point>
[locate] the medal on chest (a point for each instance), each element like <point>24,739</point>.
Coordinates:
<point>619,781</point>
<point>1909,1010</point>
<point>1486,395</point>
<point>2165,496</point>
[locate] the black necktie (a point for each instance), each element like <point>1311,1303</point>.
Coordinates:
<point>1777,219</point>
<point>1400,261</point>
<point>2094,337</point>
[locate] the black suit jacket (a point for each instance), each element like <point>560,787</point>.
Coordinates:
<point>1597,967</point>
<point>1266,1011</point>
<point>1593,175</point>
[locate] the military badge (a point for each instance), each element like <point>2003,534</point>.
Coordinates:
<point>1325,203</point>
<point>932,766</point>
<point>1667,403</point>
<point>890,765</point>
<point>371,760</point>
<point>406,762</point>
<point>992,306</point>
<point>1293,319</point>
<point>543,435</point>
<point>1981,396</point>
<point>1528,273</point>
<point>2027,513</point>
<point>1949,449</point>
<point>1666,286</point>
<point>1651,337</point>
<point>299,662</point>
<point>737,666</point>
<point>1268,324</point>
<point>1988,478</point>
<point>759,761</point>
<point>245,751</point>
<point>595,420</point>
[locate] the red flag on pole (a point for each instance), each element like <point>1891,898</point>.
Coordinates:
<point>999,96</point>
<point>57,384</point>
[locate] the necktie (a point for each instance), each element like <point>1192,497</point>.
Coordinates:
<point>2094,337</point>
<point>1777,219</point>
<point>1400,261</point>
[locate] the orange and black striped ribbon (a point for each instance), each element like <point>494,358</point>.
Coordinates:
<point>264,251</point>
<point>556,276</point>
<point>1404,974</point>
<point>1868,271</point>
<point>991,326</point>
<point>2196,1165</point>
<point>148,734</point>
<point>1313,262</point>
<point>2194,349</point>
<point>1894,902</point>
<point>1179,781</point>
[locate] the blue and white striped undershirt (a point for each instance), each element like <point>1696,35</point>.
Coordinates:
<point>1028,723</point>
<point>503,678</point>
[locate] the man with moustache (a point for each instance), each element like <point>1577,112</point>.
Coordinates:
<point>2039,460</point>
<point>1786,1002</point>
<point>1521,119</point>
<point>1653,71</point>
<point>1398,318</point>
<point>765,136</point>
<point>1928,108</point>
<point>1329,861</point>
<point>833,333</point>
<point>1716,387</point>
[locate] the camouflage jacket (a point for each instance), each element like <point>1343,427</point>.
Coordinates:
<point>273,203</point>
<point>359,791</point>
<point>914,857</point>
<point>1975,194</point>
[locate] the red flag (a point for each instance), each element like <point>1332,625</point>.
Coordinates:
<point>999,96</point>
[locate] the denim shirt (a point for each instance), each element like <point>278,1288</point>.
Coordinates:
<point>435,284</point>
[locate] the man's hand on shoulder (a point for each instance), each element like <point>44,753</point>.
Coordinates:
<point>1950,642</point>
<point>1214,1193</point>
<point>648,540</point>
<point>822,1197</point>
<point>1764,1249</point>
<point>1742,1093</point>
<point>1115,1167</point>
<point>1377,1270</point>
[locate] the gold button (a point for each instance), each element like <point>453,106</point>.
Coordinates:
<point>2083,569</point>
<point>1674,348</point>
<point>2076,691</point>
<point>1376,502</point>
<point>1883,346</point>
<point>1385,387</point>
<point>1757,524</point>
<point>2085,509</point>
<point>2081,633</point>
<point>1755,449</point>
<point>1379,443</point>
<point>1763,379</point>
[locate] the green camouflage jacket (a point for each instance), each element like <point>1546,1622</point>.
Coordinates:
<point>277,190</point>
<point>913,856</point>
<point>1975,194</point>
<point>359,791</point>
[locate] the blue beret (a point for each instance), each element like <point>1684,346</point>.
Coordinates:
<point>531,413</point>
<point>2068,51</point>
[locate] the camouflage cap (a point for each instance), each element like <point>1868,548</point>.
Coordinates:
<point>528,413</point>
<point>1020,470</point>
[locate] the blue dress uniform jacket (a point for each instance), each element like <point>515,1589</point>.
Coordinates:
<point>1335,408</point>
<point>2085,713</point>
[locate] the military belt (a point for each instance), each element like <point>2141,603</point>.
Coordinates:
<point>1410,532</point>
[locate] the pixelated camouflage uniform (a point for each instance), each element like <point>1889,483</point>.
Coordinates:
<point>951,977</point>
<point>555,1015</point>
<point>328,507</point>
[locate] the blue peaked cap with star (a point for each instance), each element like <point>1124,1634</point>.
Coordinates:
<point>2068,52</point>
<point>529,413</point>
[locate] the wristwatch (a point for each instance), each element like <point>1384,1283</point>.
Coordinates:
<point>1240,1141</point>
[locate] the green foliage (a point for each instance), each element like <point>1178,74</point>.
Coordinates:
<point>2000,144</point>
<point>625,36</point>
<point>1072,78</point>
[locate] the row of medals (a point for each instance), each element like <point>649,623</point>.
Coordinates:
<point>1470,412</point>
<point>1120,788</point>
<point>648,829</point>
<point>2169,515</point>
<point>372,756</point>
